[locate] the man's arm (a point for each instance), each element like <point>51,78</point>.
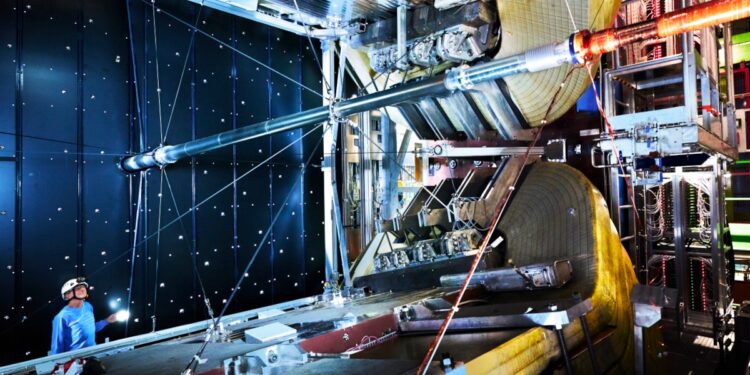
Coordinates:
<point>101,324</point>
<point>58,341</point>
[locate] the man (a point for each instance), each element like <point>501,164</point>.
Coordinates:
<point>74,326</point>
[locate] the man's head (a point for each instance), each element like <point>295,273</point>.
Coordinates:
<point>75,288</point>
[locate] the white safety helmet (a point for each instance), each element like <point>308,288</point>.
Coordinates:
<point>71,284</point>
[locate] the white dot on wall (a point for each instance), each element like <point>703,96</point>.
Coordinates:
<point>261,291</point>
<point>180,237</point>
<point>161,285</point>
<point>206,263</point>
<point>182,311</point>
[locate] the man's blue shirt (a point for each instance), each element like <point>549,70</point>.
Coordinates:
<point>75,328</point>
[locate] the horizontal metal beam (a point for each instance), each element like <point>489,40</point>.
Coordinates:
<point>248,9</point>
<point>448,151</point>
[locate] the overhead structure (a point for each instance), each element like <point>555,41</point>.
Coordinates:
<point>576,49</point>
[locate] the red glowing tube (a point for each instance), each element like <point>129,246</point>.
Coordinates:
<point>702,15</point>
<point>712,13</point>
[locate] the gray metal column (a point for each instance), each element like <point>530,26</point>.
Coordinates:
<point>337,220</point>
<point>366,195</point>
<point>639,355</point>
<point>688,72</point>
<point>679,214</point>
<point>329,152</point>
<point>729,69</point>
<point>718,261</point>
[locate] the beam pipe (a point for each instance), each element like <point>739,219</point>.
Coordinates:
<point>579,47</point>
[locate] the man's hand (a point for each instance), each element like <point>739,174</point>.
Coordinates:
<point>112,318</point>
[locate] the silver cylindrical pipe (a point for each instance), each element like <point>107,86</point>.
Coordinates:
<point>461,78</point>
<point>169,154</point>
<point>534,60</point>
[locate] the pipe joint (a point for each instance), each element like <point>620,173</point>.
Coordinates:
<point>159,157</point>
<point>458,79</point>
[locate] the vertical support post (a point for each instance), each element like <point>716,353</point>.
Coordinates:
<point>402,62</point>
<point>688,72</point>
<point>729,69</point>
<point>718,262</point>
<point>639,355</point>
<point>337,221</point>
<point>366,196</point>
<point>329,152</point>
<point>393,170</point>
<point>679,215</point>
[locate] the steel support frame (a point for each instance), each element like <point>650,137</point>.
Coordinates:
<point>679,216</point>
<point>334,236</point>
<point>366,169</point>
<point>718,259</point>
<point>329,152</point>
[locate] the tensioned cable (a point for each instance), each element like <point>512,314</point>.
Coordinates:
<point>570,13</point>
<point>243,54</point>
<point>182,74</point>
<point>158,83</point>
<point>223,188</point>
<point>315,54</point>
<point>119,256</point>
<point>133,64</point>
<point>52,140</point>
<point>135,242</point>
<point>197,357</point>
<point>191,251</point>
<point>499,211</point>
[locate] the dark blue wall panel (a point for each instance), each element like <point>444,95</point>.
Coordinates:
<point>81,113</point>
